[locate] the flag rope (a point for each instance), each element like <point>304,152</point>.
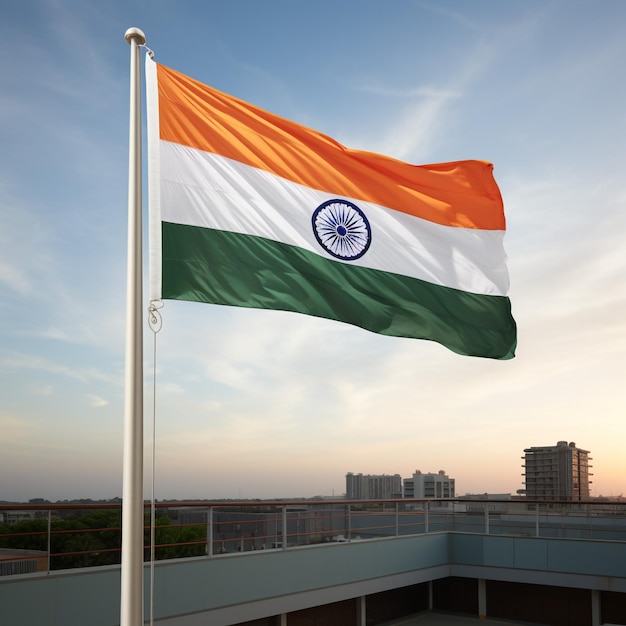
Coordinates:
<point>155,322</point>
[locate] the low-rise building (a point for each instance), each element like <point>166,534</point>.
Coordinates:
<point>428,485</point>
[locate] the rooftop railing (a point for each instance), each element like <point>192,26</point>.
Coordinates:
<point>38,538</point>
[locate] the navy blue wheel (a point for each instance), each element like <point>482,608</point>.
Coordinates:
<point>342,229</point>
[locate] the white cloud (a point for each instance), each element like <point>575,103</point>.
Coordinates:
<point>24,243</point>
<point>97,401</point>
<point>410,92</point>
<point>171,389</point>
<point>22,361</point>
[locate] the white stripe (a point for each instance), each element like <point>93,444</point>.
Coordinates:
<point>208,190</point>
<point>154,176</point>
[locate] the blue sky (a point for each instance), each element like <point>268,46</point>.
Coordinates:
<point>271,404</point>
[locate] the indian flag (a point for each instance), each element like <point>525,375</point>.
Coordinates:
<point>250,209</point>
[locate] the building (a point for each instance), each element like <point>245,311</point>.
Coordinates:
<point>558,472</point>
<point>10,518</point>
<point>16,561</point>
<point>437,485</point>
<point>373,486</point>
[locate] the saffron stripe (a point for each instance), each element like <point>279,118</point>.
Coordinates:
<point>460,194</point>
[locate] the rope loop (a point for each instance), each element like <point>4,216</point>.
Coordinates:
<point>155,321</point>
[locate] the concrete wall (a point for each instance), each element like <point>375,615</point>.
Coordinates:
<point>236,588</point>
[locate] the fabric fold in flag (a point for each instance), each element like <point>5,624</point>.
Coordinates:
<point>250,209</point>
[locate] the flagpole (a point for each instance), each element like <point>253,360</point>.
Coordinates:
<point>131,599</point>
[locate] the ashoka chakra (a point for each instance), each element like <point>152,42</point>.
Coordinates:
<point>342,229</point>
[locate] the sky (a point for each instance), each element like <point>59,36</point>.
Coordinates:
<point>268,404</point>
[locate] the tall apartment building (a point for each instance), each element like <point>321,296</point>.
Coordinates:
<point>437,485</point>
<point>373,486</point>
<point>558,472</point>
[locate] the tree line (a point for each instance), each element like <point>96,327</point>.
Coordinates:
<point>94,538</point>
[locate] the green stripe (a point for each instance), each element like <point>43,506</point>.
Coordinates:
<point>204,265</point>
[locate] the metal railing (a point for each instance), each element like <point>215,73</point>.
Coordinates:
<point>36,538</point>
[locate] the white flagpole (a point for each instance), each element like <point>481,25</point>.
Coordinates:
<point>131,599</point>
